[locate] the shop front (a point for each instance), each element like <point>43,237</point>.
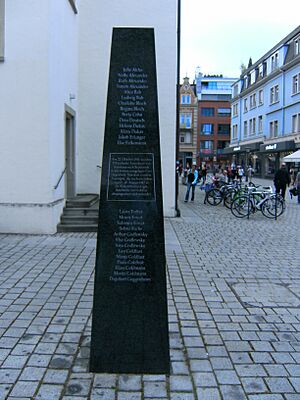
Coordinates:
<point>246,155</point>
<point>272,155</point>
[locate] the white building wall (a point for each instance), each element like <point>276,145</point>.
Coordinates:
<point>96,23</point>
<point>32,97</point>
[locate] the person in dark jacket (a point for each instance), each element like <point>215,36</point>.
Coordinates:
<point>282,180</point>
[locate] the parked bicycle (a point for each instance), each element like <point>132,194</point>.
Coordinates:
<point>270,204</point>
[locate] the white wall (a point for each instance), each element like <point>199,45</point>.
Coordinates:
<point>35,81</point>
<point>96,23</point>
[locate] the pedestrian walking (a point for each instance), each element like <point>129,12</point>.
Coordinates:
<point>281,180</point>
<point>192,178</point>
<point>240,173</point>
<point>204,173</point>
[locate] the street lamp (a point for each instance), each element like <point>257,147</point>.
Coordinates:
<point>247,149</point>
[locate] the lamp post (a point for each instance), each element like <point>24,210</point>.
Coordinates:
<point>247,149</point>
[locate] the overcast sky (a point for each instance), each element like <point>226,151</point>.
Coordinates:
<point>219,35</point>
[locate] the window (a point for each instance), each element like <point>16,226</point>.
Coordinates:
<point>222,144</point>
<point>245,105</point>
<point>185,137</point>
<point>223,129</point>
<point>235,109</point>
<point>207,144</point>
<point>274,61</point>
<point>261,97</point>
<point>2,30</point>
<point>207,112</point>
<point>297,46</point>
<point>235,90</point>
<point>224,112</point>
<point>186,120</point>
<point>296,123</point>
<point>296,85</point>
<point>245,129</point>
<point>207,129</point>
<point>273,129</point>
<point>260,123</point>
<point>252,126</point>
<point>261,70</point>
<point>274,94</point>
<point>234,131</point>
<point>253,100</point>
<point>185,99</point>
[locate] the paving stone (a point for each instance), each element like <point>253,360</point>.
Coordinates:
<point>24,387</point>
<point>130,382</point>
<point>129,396</point>
<point>208,394</point>
<point>32,374</point>
<point>101,394</point>
<point>154,389</point>
<point>279,385</point>
<point>227,377</point>
<point>204,379</point>
<point>180,383</point>
<point>49,392</point>
<point>296,384</point>
<point>232,392</point>
<point>254,385</point>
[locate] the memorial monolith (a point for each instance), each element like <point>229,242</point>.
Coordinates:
<point>130,324</point>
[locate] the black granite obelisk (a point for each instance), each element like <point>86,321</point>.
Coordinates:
<point>130,324</point>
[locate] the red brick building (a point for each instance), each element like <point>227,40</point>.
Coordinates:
<point>214,119</point>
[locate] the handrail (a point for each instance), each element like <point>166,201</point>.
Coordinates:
<point>60,178</point>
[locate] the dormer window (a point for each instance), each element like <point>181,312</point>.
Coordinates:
<point>297,46</point>
<point>275,61</point>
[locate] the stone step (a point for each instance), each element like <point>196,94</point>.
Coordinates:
<point>79,219</point>
<point>77,228</point>
<point>80,212</point>
<point>82,201</point>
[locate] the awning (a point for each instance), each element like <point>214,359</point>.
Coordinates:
<point>294,157</point>
<point>243,148</point>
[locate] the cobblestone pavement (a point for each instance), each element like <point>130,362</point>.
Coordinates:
<point>234,312</point>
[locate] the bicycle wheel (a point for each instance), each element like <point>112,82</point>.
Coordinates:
<point>240,207</point>
<point>273,207</point>
<point>214,197</point>
<point>229,197</point>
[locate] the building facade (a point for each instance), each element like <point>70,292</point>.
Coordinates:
<point>214,115</point>
<point>54,64</point>
<point>265,123</point>
<point>187,124</point>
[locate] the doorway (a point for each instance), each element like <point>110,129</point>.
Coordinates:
<point>70,146</point>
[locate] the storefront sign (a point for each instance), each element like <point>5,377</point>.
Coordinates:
<point>271,146</point>
<point>237,148</point>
